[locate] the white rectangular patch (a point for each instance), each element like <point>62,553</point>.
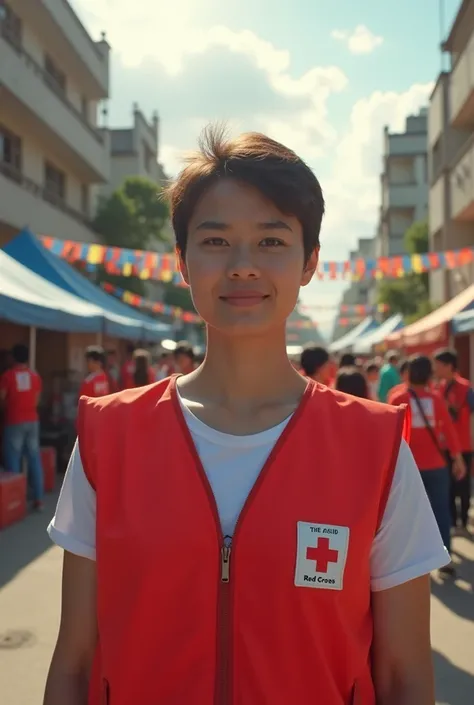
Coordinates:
<point>23,381</point>
<point>417,420</point>
<point>321,555</point>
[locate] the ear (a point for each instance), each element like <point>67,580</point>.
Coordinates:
<point>181,264</point>
<point>310,267</point>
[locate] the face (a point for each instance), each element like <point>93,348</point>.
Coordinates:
<point>441,370</point>
<point>183,363</point>
<point>244,260</point>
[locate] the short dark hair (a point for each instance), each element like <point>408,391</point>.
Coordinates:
<point>254,159</point>
<point>404,366</point>
<point>447,357</point>
<point>347,360</point>
<point>392,357</point>
<point>96,353</point>
<point>371,367</point>
<point>184,348</point>
<point>313,358</point>
<point>352,381</point>
<point>420,370</point>
<point>21,354</point>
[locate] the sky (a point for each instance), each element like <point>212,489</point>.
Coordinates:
<point>322,77</point>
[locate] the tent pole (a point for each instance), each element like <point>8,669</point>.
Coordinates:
<point>32,346</point>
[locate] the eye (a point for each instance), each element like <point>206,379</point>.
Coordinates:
<point>272,242</point>
<point>215,242</point>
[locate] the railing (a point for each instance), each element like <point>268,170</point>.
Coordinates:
<point>32,64</point>
<point>39,191</point>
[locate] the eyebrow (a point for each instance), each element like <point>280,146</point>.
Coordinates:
<point>221,226</point>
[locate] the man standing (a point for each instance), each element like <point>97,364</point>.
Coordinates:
<point>96,384</point>
<point>20,389</point>
<point>315,363</point>
<point>459,396</point>
<point>389,375</point>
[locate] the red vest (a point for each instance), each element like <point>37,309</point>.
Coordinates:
<point>284,617</point>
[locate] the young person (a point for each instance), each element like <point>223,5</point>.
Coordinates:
<point>316,364</point>
<point>403,386</point>
<point>184,358</point>
<point>459,396</point>
<point>144,373</point>
<point>96,382</point>
<point>389,375</point>
<point>430,427</point>
<point>20,390</point>
<point>350,380</point>
<point>210,555</point>
<point>372,373</point>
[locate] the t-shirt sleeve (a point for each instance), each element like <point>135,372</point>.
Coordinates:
<point>73,526</point>
<point>408,543</point>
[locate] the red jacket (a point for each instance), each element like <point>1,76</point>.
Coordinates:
<point>455,394</point>
<point>428,453</point>
<point>284,616</point>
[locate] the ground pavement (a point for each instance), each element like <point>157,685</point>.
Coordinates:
<point>29,612</point>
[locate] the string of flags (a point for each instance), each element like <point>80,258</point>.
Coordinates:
<point>356,309</point>
<point>162,267</point>
<point>132,299</point>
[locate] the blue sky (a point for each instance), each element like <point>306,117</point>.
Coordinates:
<point>322,77</point>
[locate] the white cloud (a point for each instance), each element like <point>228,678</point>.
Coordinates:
<point>359,41</point>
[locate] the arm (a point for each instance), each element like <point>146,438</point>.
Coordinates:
<point>452,439</point>
<point>68,677</point>
<point>402,666</point>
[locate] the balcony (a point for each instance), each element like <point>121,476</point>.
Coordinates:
<point>27,90</point>
<point>58,25</point>
<point>437,111</point>
<point>26,203</point>
<point>462,185</point>
<point>462,88</point>
<point>403,195</point>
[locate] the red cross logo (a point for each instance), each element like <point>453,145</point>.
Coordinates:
<point>322,554</point>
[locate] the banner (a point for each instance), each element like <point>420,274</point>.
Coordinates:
<point>132,299</point>
<point>162,267</point>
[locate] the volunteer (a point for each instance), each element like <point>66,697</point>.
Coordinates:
<point>459,396</point>
<point>430,427</point>
<point>351,380</point>
<point>242,534</point>
<point>96,382</point>
<point>316,363</point>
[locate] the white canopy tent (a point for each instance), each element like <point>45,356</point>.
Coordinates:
<point>364,344</point>
<point>347,340</point>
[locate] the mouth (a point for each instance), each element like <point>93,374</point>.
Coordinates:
<point>244,298</point>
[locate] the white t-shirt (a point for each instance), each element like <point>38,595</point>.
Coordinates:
<point>406,546</point>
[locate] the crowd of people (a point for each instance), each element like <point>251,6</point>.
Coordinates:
<point>440,401</point>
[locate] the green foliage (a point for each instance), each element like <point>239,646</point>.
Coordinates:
<point>409,295</point>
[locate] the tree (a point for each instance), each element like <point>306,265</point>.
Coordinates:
<point>132,217</point>
<point>410,295</point>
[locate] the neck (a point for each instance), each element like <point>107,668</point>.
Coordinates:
<point>251,370</point>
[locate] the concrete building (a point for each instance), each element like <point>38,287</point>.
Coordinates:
<point>404,184</point>
<point>358,292</point>
<point>53,77</point>
<point>451,155</point>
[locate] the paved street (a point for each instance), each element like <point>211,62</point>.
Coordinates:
<point>29,607</point>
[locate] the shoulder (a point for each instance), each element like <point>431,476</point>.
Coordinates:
<point>351,407</point>
<point>126,398</point>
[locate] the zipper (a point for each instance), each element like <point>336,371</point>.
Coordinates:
<point>224,658</point>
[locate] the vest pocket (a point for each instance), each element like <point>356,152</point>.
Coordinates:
<point>105,692</point>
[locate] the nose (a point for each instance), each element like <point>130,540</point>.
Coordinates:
<point>242,264</point>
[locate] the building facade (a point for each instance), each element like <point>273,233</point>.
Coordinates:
<point>404,184</point>
<point>451,155</point>
<point>53,79</point>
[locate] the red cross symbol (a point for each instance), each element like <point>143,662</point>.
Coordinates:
<point>322,554</point>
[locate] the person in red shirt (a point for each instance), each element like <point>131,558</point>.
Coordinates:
<point>402,387</point>
<point>128,369</point>
<point>430,424</point>
<point>96,384</point>
<point>316,364</point>
<point>20,389</point>
<point>351,380</point>
<point>459,396</point>
<point>144,373</point>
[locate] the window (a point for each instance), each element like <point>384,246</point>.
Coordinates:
<point>10,152</point>
<point>11,25</point>
<point>55,78</point>
<point>54,183</point>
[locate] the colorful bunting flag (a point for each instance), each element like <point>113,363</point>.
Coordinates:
<point>132,299</point>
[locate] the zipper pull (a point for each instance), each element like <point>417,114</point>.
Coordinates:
<point>225,564</point>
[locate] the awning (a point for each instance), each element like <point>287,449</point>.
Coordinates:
<point>463,322</point>
<point>30,300</point>
<point>364,344</point>
<point>346,342</point>
<point>434,328</point>
<point>28,250</point>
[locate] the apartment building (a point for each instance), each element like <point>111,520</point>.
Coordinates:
<point>404,184</point>
<point>53,79</point>
<point>451,155</point>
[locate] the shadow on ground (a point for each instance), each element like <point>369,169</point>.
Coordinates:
<point>22,543</point>
<point>453,594</point>
<point>453,685</point>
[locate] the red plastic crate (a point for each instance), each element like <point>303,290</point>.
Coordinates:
<point>48,461</point>
<point>12,498</point>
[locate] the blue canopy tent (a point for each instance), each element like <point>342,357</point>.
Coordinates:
<point>463,322</point>
<point>121,321</point>
<point>364,344</point>
<point>347,341</point>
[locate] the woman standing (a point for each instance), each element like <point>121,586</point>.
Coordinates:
<point>143,373</point>
<point>210,557</point>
